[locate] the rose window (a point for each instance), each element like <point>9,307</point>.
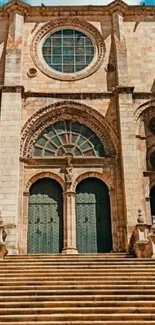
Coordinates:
<point>68,51</point>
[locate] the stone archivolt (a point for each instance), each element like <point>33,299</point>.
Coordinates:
<point>105,177</point>
<point>41,175</point>
<point>146,108</point>
<point>66,110</point>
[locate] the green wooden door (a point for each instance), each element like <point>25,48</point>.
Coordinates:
<point>93,221</point>
<point>45,217</point>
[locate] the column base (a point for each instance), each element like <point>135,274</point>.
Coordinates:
<point>69,250</point>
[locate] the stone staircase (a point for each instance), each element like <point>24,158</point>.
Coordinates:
<point>107,289</point>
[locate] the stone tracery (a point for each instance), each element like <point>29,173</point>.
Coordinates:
<point>82,26</point>
<point>70,111</point>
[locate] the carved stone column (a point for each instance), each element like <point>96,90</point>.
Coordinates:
<point>69,223</point>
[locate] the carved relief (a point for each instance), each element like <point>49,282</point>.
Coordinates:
<point>67,111</point>
<point>82,26</point>
<point>69,176</point>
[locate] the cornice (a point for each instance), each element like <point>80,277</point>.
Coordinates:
<point>74,11</point>
<point>16,6</point>
<point>68,95</point>
<point>72,96</point>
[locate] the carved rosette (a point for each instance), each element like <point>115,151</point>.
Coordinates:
<point>82,26</point>
<point>83,114</point>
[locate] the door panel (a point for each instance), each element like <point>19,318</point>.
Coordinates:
<point>93,221</point>
<point>45,217</point>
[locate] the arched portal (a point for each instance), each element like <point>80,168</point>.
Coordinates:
<point>93,221</point>
<point>45,221</point>
<point>152,202</point>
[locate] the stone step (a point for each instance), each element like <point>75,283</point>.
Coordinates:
<point>84,281</point>
<point>79,255</point>
<point>83,322</point>
<point>103,262</point>
<point>40,297</point>
<point>76,310</point>
<point>80,291</point>
<point>80,286</point>
<point>78,316</point>
<point>83,289</point>
<point>71,268</point>
<point>76,275</point>
<point>78,304</point>
<point>73,273</point>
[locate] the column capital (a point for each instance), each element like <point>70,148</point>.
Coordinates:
<point>69,193</point>
<point>26,194</point>
<point>123,89</point>
<point>16,7</point>
<point>12,89</point>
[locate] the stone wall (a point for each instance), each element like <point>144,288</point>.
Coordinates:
<point>118,89</point>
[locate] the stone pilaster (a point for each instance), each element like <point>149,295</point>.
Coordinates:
<point>69,223</point>
<point>132,187</point>
<point>9,160</point>
<point>11,104</point>
<point>13,50</point>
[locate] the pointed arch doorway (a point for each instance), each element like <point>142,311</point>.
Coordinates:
<point>93,220</point>
<point>45,220</point>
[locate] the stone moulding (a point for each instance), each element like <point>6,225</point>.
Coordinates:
<point>91,11</point>
<point>148,106</point>
<point>105,177</point>
<point>67,110</point>
<point>73,23</point>
<point>41,175</point>
<point>16,6</point>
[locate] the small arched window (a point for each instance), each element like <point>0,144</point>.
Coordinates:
<point>68,138</point>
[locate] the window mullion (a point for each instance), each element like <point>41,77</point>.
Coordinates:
<point>62,45</point>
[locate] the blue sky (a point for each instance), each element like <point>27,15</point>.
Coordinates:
<point>79,2</point>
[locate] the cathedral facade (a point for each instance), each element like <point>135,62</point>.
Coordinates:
<point>77,141</point>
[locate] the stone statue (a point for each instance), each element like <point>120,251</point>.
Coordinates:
<point>69,174</point>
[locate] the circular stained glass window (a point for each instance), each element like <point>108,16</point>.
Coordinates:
<point>68,51</point>
<point>68,138</point>
<point>152,125</point>
<point>152,159</point>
